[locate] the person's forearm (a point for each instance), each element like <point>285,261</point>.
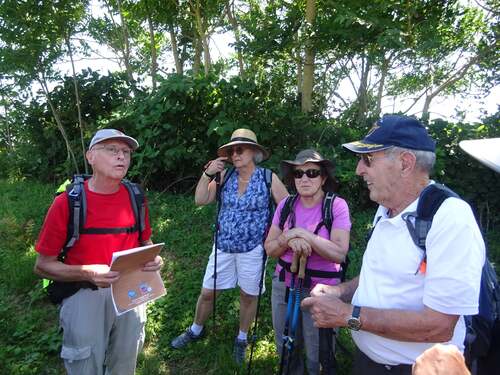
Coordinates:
<point>202,192</point>
<point>59,271</point>
<point>347,289</point>
<point>276,247</point>
<point>326,248</point>
<point>413,326</point>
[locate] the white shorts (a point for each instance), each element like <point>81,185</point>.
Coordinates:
<point>244,268</point>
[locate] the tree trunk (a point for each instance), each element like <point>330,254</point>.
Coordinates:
<point>59,124</point>
<point>201,30</point>
<point>363,90</point>
<point>126,44</point>
<point>197,55</point>
<point>234,23</point>
<point>383,75</point>
<point>77,99</point>
<point>175,51</point>
<point>154,59</point>
<point>308,78</point>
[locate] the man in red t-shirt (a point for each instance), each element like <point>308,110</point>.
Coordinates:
<point>95,340</point>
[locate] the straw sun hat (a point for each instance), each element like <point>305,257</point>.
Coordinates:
<point>242,137</point>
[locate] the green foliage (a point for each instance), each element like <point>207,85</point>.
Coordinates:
<point>29,333</point>
<point>39,151</point>
<point>183,123</point>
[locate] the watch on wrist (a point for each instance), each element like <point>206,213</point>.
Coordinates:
<point>210,176</point>
<point>354,322</point>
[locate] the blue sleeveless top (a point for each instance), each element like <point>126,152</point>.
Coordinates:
<point>243,219</point>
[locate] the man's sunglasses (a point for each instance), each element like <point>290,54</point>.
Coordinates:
<point>239,150</point>
<point>367,159</point>
<point>311,173</point>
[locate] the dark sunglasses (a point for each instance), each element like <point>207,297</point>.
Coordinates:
<point>311,173</point>
<point>367,159</point>
<point>239,150</point>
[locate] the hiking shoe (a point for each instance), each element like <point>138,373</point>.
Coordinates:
<point>185,338</point>
<point>239,350</point>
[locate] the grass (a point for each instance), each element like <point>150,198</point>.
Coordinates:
<point>29,323</point>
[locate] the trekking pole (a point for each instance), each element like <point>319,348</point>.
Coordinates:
<point>296,309</point>
<point>326,354</point>
<point>216,236</point>
<point>288,316</point>
<point>254,332</point>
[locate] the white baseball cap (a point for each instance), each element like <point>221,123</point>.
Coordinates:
<point>106,134</point>
<point>487,151</point>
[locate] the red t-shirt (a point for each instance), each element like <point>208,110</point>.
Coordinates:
<point>103,211</point>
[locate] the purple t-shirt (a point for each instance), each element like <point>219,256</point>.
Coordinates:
<point>308,218</point>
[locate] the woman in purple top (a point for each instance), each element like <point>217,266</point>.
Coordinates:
<point>304,234</point>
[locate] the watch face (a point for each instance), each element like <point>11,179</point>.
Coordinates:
<point>354,323</point>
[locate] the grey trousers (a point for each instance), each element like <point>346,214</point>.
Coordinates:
<point>95,340</point>
<point>307,336</point>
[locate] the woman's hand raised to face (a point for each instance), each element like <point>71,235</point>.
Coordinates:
<point>215,166</point>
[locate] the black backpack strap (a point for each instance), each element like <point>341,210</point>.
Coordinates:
<point>137,201</point>
<point>287,210</point>
<point>326,213</point>
<point>77,213</point>
<point>229,173</point>
<point>268,178</point>
<point>419,222</point>
<point>327,210</point>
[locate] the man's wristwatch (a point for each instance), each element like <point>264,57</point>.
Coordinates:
<point>354,322</point>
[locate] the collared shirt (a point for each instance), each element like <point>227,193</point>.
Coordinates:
<point>243,219</point>
<point>451,283</point>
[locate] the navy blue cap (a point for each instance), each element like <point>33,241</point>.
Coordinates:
<point>394,130</point>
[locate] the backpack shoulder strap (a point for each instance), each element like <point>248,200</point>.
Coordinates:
<point>268,178</point>
<point>77,204</point>
<point>327,215</point>
<point>136,194</point>
<point>287,209</point>
<point>229,173</point>
<point>429,202</point>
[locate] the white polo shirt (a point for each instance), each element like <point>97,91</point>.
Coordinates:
<point>455,256</point>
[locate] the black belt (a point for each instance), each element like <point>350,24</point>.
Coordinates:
<point>365,365</point>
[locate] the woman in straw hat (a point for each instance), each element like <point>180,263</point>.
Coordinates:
<point>242,222</point>
<point>304,233</point>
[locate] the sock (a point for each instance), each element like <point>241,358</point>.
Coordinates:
<point>242,336</point>
<point>196,329</point>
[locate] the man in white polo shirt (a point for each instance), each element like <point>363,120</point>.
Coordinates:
<point>402,304</point>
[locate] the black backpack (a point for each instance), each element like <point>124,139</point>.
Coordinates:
<point>77,202</point>
<point>483,329</point>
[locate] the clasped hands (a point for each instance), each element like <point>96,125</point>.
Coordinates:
<point>296,239</point>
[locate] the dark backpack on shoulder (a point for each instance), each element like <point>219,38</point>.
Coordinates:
<point>77,202</point>
<point>483,329</point>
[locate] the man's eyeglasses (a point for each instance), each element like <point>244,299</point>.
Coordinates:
<point>311,173</point>
<point>238,149</point>
<point>367,159</point>
<point>114,151</point>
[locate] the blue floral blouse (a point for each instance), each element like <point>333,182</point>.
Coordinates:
<point>243,219</point>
